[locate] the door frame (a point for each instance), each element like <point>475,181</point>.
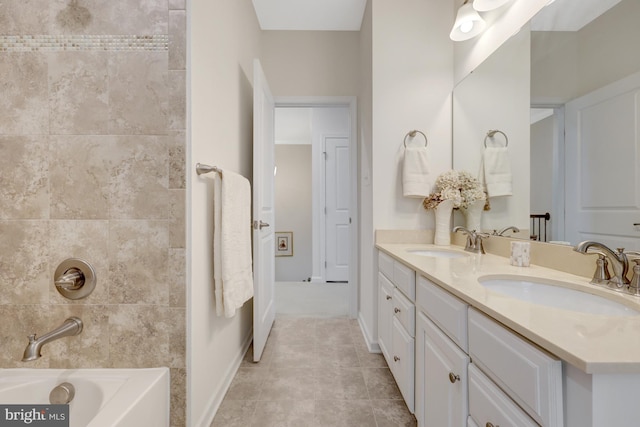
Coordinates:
<point>351,103</point>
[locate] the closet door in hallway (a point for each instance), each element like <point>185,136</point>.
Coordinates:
<point>337,203</point>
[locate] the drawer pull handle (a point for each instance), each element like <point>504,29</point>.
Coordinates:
<point>388,297</point>
<point>396,310</point>
<point>396,359</point>
<point>453,378</point>
<point>491,425</point>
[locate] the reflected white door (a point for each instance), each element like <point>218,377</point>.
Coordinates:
<point>264,308</point>
<point>603,165</point>
<point>337,203</point>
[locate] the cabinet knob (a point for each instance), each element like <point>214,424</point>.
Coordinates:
<point>396,310</point>
<point>388,297</point>
<point>453,378</point>
<point>396,359</point>
<point>491,425</point>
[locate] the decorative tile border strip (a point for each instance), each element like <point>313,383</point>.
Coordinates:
<point>34,43</point>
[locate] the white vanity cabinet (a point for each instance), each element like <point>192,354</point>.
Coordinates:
<point>396,322</point>
<point>530,376</point>
<point>441,358</point>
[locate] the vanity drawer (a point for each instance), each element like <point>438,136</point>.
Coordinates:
<point>529,375</point>
<point>405,279</point>
<point>446,311</point>
<point>385,265</point>
<point>488,405</point>
<point>405,312</point>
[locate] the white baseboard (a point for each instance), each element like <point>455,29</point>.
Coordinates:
<point>218,396</point>
<point>372,344</point>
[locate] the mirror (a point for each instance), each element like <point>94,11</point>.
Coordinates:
<point>552,69</point>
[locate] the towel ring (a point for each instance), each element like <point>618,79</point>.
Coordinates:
<point>413,134</point>
<point>493,132</point>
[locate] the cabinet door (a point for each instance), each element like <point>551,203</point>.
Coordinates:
<point>441,375</point>
<point>402,363</point>
<point>385,315</point>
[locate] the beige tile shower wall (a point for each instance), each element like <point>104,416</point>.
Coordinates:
<point>92,165</point>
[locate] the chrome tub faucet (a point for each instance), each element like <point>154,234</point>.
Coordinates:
<point>71,326</point>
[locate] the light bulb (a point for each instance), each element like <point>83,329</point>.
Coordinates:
<point>465,27</point>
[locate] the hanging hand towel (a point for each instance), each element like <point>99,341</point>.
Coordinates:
<point>496,171</point>
<point>217,237</point>
<point>416,182</point>
<point>232,242</point>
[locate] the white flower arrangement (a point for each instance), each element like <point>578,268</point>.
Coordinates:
<point>459,186</point>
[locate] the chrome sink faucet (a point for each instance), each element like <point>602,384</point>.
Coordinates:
<point>618,260</point>
<point>474,239</point>
<point>504,230</point>
<point>71,326</point>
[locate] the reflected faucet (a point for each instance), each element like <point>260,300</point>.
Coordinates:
<point>504,230</point>
<point>619,262</point>
<point>71,326</point>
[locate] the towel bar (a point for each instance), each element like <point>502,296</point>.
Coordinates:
<point>493,132</point>
<point>201,169</point>
<point>412,134</point>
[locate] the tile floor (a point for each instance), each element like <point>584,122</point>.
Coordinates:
<point>314,372</point>
<point>312,299</point>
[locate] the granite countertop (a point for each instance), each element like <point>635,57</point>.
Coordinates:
<point>594,343</point>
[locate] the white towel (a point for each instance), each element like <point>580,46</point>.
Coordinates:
<point>416,182</point>
<point>233,275</point>
<point>495,172</point>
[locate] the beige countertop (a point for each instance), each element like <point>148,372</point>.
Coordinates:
<point>595,344</point>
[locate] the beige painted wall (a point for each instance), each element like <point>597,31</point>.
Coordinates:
<point>412,62</point>
<point>92,166</point>
<point>224,40</point>
<point>566,66</point>
<point>311,63</point>
<point>293,209</point>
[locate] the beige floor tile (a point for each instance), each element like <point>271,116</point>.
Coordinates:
<point>289,384</point>
<point>380,383</point>
<point>340,384</point>
<point>392,413</point>
<point>234,413</point>
<point>344,413</point>
<point>280,414</point>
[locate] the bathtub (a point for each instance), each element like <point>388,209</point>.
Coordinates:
<point>103,397</point>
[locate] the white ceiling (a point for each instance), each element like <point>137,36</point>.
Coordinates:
<point>570,15</point>
<point>346,15</point>
<point>323,15</point>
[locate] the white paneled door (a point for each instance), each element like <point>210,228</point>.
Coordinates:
<point>337,203</point>
<point>603,165</point>
<point>264,308</point>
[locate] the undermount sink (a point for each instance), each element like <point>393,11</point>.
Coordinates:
<point>437,253</point>
<point>536,291</point>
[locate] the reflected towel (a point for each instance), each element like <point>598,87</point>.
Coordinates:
<point>495,172</point>
<point>416,182</point>
<point>233,274</point>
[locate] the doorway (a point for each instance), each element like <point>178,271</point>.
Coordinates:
<point>315,204</point>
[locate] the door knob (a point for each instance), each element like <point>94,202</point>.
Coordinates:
<point>259,225</point>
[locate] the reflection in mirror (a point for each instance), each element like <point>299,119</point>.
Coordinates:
<point>585,77</point>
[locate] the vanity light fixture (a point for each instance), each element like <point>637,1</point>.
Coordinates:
<point>488,5</point>
<point>468,23</point>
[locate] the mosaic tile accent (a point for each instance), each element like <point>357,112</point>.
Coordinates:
<point>57,43</point>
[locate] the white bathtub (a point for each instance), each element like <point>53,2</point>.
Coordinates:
<point>103,397</point>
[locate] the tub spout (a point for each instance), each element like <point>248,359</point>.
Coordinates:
<point>71,326</point>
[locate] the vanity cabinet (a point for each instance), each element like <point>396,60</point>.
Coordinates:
<point>441,357</point>
<point>396,323</point>
<point>441,377</point>
<point>530,376</point>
